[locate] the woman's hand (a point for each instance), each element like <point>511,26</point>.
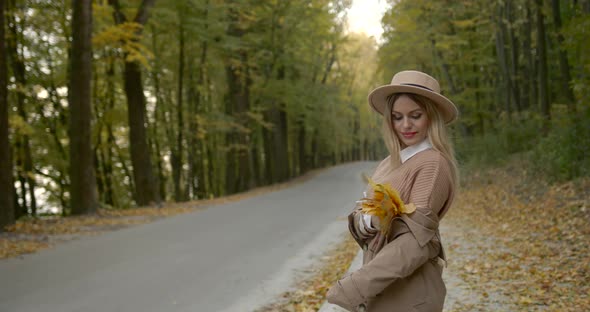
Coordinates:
<point>375,223</point>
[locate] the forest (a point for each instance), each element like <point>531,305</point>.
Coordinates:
<point>112,104</point>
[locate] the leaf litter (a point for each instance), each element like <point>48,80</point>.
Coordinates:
<point>310,290</point>
<point>514,242</point>
<point>519,243</point>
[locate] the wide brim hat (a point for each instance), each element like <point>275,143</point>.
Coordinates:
<point>415,82</point>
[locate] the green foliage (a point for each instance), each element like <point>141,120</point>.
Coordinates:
<point>485,55</point>
<point>291,58</point>
<point>515,135</point>
<point>564,154</point>
<point>576,33</point>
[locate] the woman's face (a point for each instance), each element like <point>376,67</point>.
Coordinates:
<point>409,121</point>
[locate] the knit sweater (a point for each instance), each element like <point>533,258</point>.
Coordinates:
<point>424,180</point>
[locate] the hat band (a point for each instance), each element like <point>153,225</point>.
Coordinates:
<point>416,85</point>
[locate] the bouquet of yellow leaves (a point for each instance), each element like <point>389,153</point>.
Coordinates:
<point>385,204</point>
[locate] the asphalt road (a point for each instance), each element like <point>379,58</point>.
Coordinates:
<point>232,257</point>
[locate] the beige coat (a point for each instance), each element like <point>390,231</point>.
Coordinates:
<point>402,272</point>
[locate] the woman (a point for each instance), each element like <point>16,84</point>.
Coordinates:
<point>402,267</point>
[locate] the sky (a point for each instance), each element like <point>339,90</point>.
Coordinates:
<point>365,16</point>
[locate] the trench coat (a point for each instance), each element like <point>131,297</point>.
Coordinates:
<point>401,271</point>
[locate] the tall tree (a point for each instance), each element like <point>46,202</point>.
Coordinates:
<point>24,158</point>
<point>6,184</point>
<point>147,191</point>
<point>506,89</point>
<point>563,62</point>
<point>197,180</point>
<point>83,193</point>
<point>529,91</point>
<point>238,174</point>
<point>543,69</point>
<point>178,150</point>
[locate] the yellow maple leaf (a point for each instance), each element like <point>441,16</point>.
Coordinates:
<point>385,204</point>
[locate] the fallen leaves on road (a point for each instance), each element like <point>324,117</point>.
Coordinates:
<point>521,244</point>
<point>13,248</point>
<point>31,234</point>
<point>311,291</point>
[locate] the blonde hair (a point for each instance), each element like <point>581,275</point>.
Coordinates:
<point>437,132</point>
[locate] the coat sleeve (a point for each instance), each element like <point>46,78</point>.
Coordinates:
<point>413,244</point>
<point>396,260</point>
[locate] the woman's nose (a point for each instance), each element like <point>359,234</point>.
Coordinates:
<point>406,123</point>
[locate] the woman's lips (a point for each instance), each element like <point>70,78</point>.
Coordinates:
<point>409,135</point>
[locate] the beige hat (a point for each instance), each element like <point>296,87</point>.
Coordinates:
<point>412,81</point>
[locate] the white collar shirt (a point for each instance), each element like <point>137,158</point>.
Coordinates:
<point>410,151</point>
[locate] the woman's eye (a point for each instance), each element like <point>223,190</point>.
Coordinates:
<point>417,116</point>
<point>397,117</point>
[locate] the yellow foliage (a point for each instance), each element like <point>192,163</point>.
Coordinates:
<point>464,23</point>
<point>259,119</point>
<point>125,36</point>
<point>385,204</point>
<point>19,125</point>
<point>201,127</point>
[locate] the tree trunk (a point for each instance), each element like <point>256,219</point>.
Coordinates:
<point>531,68</point>
<point>54,126</point>
<point>159,119</point>
<point>315,149</point>
<point>103,147</point>
<point>202,184</point>
<point>331,60</point>
<point>97,150</point>
<point>178,150</point>
<point>502,59</point>
<point>6,183</point>
<point>83,196</point>
<point>239,172</point>
<point>563,62</point>
<point>238,176</point>
<point>302,142</point>
<point>584,5</point>
<point>109,196</point>
<point>446,71</point>
<point>277,139</point>
<point>191,137</point>
<point>513,56</point>
<point>543,71</point>
<point>197,181</point>
<point>24,156</point>
<point>147,191</point>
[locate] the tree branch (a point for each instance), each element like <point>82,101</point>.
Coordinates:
<point>143,13</point>
<point>119,17</point>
